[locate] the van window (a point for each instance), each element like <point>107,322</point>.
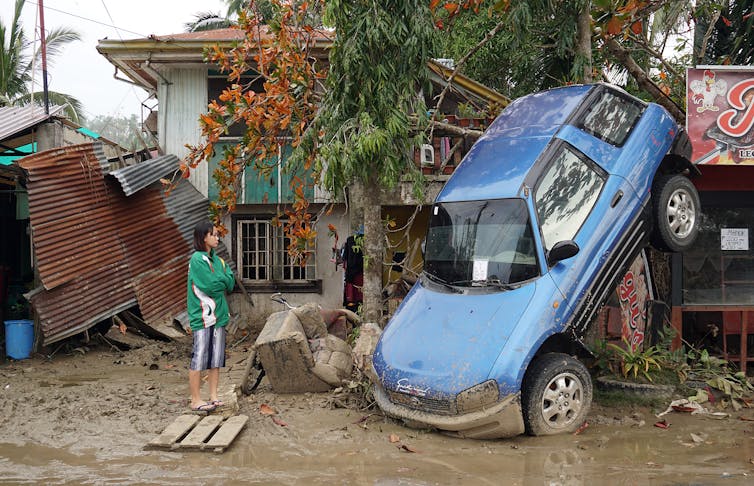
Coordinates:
<point>565,195</point>
<point>611,118</point>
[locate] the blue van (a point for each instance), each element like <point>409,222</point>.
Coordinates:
<point>525,242</point>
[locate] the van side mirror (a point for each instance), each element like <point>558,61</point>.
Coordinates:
<point>562,250</point>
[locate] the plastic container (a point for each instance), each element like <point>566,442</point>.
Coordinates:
<point>19,338</point>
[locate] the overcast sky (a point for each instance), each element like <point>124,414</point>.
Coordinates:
<point>81,71</point>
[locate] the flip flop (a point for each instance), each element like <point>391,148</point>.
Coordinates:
<point>204,407</point>
<point>218,403</point>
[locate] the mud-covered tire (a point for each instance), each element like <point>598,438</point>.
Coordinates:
<point>556,395</point>
<point>253,373</point>
<point>677,213</point>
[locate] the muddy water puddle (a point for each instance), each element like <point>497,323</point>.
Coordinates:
<point>614,455</point>
<point>86,420</point>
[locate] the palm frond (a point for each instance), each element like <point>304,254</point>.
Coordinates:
<point>56,40</point>
<point>207,21</point>
<point>73,108</point>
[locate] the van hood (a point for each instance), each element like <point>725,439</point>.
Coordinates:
<point>439,344</point>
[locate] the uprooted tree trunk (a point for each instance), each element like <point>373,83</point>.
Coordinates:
<point>644,82</point>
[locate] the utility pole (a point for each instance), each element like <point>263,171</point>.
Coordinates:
<point>43,46</point>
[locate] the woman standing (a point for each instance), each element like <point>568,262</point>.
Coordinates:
<point>208,280</point>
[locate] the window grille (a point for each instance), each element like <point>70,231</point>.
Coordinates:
<point>263,253</point>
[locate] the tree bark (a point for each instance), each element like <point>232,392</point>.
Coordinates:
<point>373,250</point>
<point>584,40</point>
<point>624,57</point>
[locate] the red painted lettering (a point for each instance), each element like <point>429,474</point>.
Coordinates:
<point>737,100</point>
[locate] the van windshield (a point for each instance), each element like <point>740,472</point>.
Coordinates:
<point>480,243</point>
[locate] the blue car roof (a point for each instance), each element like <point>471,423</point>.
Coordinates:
<point>498,163</point>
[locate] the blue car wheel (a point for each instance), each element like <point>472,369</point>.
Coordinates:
<point>556,395</point>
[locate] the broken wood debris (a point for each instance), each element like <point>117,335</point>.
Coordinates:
<point>191,432</point>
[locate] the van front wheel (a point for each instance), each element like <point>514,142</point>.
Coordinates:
<point>556,395</point>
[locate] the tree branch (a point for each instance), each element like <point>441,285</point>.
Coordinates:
<point>645,45</point>
<point>642,79</point>
<point>492,33</point>
<point>707,35</point>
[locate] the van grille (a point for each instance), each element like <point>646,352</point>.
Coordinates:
<point>434,405</point>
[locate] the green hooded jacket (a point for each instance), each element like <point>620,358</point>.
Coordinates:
<point>209,277</point>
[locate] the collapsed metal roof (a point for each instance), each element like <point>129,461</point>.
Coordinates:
<point>105,241</point>
<point>17,122</point>
<point>138,176</point>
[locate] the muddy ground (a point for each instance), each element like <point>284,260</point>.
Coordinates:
<point>84,415</point>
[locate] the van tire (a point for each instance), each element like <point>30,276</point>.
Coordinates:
<point>556,395</point>
<point>677,212</point>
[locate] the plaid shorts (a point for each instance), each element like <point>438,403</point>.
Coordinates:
<point>209,348</point>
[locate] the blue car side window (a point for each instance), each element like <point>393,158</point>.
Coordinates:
<point>565,195</point>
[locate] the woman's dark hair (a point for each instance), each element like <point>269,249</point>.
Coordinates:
<point>200,232</point>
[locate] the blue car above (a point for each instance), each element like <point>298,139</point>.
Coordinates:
<point>525,242</point>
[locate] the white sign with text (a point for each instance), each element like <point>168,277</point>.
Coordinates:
<point>734,239</point>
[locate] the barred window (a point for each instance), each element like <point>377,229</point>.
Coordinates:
<point>263,253</point>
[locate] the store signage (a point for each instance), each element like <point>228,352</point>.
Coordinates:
<point>734,239</point>
<point>720,114</point>
<point>634,291</point>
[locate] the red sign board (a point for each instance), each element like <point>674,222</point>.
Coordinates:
<point>634,290</point>
<point>720,114</point>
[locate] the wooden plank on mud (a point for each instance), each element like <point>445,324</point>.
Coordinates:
<point>202,431</point>
<point>175,431</point>
<point>227,433</point>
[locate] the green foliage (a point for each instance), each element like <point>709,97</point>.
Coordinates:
<point>716,373</point>
<point>635,361</point>
<point>534,51</point>
<point>724,33</point>
<point>377,67</point>
<point>687,364</point>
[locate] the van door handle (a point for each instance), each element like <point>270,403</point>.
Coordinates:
<point>616,199</point>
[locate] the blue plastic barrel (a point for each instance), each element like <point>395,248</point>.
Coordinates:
<point>19,338</point>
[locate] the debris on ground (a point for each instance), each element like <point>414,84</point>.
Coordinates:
<point>685,405</point>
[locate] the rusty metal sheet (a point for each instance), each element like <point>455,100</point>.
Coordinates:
<point>136,177</point>
<point>162,294</point>
<point>83,302</point>
<point>73,229</point>
<point>99,251</point>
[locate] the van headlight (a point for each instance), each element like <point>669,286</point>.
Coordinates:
<point>477,396</point>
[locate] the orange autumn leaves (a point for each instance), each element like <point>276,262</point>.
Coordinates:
<point>272,117</point>
<point>614,17</point>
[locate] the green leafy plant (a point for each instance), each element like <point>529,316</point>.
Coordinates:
<point>715,372</point>
<point>635,361</point>
<point>467,110</point>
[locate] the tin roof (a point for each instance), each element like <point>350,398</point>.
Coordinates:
<point>138,58</point>
<point>104,244</point>
<point>139,176</point>
<point>17,121</point>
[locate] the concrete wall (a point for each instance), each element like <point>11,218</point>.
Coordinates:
<point>253,317</point>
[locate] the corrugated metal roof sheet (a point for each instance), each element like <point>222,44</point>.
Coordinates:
<point>16,119</point>
<point>138,176</point>
<point>100,251</point>
<point>74,231</point>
